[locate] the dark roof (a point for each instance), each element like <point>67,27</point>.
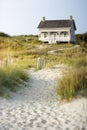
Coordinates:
<point>56,24</point>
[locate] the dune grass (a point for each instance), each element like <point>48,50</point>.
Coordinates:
<point>24,51</point>
<point>10,79</point>
<point>74,82</point>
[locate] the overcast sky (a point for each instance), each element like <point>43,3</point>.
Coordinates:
<point>23,16</point>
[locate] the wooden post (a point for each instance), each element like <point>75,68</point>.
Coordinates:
<point>39,63</point>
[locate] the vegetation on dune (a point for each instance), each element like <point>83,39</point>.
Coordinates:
<point>10,79</point>
<point>13,74</point>
<point>20,52</point>
<point>74,82</point>
<point>82,39</point>
<point>4,34</point>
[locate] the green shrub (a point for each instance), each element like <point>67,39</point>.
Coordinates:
<point>81,37</point>
<point>4,34</point>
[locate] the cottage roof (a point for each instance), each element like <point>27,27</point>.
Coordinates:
<point>56,23</point>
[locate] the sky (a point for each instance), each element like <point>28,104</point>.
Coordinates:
<point>21,17</point>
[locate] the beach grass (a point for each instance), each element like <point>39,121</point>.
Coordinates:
<point>74,82</point>
<point>10,79</point>
<point>24,51</point>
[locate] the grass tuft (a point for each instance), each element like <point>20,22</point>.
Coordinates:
<point>73,83</point>
<point>10,78</point>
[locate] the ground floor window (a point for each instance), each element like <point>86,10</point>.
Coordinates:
<point>64,33</point>
<point>45,34</point>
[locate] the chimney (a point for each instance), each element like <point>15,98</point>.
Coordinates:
<point>71,17</point>
<point>43,19</point>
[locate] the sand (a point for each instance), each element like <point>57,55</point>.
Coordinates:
<point>37,106</point>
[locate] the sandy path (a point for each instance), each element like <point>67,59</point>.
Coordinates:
<point>36,106</point>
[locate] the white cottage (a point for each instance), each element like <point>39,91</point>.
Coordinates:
<point>53,31</point>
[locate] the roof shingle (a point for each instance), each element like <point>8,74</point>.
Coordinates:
<point>56,24</point>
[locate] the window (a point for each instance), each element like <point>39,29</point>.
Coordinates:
<point>51,33</point>
<point>61,33</point>
<point>45,35</point>
<point>64,33</point>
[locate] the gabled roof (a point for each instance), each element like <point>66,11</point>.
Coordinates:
<point>56,24</point>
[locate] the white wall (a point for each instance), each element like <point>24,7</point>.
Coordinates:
<point>52,39</point>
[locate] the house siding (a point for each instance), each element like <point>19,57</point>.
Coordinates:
<point>54,35</point>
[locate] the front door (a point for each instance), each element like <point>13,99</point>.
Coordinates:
<point>53,38</point>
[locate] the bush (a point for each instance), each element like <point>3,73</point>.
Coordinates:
<point>3,35</point>
<point>81,37</point>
